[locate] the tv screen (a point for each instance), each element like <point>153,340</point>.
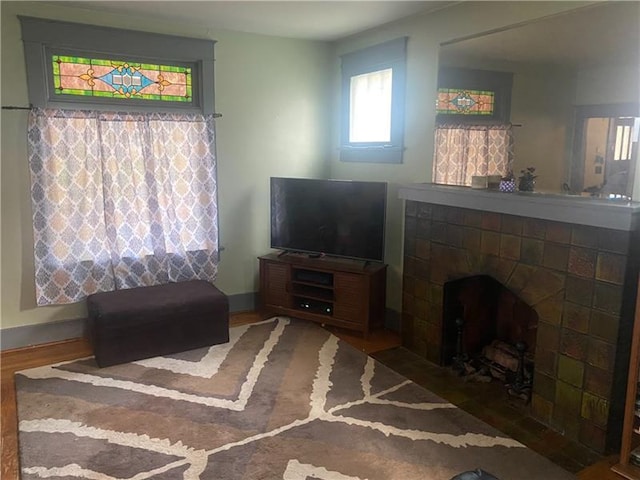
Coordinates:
<point>332,217</point>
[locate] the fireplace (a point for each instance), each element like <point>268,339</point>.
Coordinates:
<point>488,332</point>
<point>574,279</point>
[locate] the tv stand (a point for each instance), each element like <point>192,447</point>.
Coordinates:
<point>324,290</point>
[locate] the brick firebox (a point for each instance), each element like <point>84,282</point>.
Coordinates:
<point>580,279</point>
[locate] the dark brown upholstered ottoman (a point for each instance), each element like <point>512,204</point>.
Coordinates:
<point>144,322</point>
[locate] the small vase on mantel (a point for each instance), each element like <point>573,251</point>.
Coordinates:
<point>526,185</point>
<point>507,183</point>
<point>527,180</point>
<point>507,186</point>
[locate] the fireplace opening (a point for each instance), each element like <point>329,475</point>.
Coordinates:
<point>489,333</point>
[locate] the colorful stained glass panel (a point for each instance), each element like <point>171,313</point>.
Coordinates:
<point>82,76</point>
<point>465,102</point>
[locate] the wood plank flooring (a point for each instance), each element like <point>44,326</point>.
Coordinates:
<point>29,357</point>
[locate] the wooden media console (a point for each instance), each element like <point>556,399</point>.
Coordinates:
<point>341,292</point>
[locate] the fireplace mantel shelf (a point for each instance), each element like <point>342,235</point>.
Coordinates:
<point>614,214</point>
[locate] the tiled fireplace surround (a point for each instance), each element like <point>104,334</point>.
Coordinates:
<point>575,261</point>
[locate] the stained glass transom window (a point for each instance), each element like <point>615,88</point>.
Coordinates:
<point>465,102</point>
<point>116,79</point>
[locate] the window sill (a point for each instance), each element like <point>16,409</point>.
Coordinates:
<point>371,154</point>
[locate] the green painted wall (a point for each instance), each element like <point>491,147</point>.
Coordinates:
<point>272,93</point>
<point>280,101</point>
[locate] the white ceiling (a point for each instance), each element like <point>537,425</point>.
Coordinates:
<point>312,20</point>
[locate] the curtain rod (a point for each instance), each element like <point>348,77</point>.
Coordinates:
<point>11,107</point>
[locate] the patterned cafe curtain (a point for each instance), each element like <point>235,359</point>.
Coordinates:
<point>462,151</point>
<point>121,200</point>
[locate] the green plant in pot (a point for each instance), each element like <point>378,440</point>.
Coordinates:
<point>527,179</point>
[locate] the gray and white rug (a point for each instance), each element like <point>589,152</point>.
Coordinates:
<point>284,399</point>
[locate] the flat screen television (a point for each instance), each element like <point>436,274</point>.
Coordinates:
<point>330,217</point>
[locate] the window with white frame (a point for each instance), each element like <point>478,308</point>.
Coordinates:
<point>373,103</point>
<point>122,159</point>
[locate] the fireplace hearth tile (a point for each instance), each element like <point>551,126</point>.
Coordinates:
<point>584,236</point>
<point>410,226</point>
<point>550,309</point>
<point>601,354</point>
<point>567,422</point>
<point>439,232</point>
<point>556,256</point>
<point>420,288</point>
<point>579,290</point>
<point>473,218</point>
<point>604,326</point>
<point>570,370</point>
<point>475,262</point>
<point>424,210</point>
<point>548,335</point>
<point>500,269</point>
<point>423,229</point>
<point>408,281</point>
<point>491,221</point>
<point>597,381</point>
<point>607,298</point>
<point>408,304</point>
<point>541,408</point>
<point>610,267</point>
<point>435,294</point>
<point>410,246</point>
<point>545,386</point>
<point>545,360</point>
<point>411,208</point>
<point>421,268</point>
<point>420,308</point>
<point>471,239</point>
<point>490,243</point>
<point>572,275</point>
<point>532,251</point>
<point>455,216</point>
<point>574,345</point>
<point>510,246</point>
<point>558,232</point>
<point>535,228</point>
<point>582,262</point>
<point>422,249</point>
<point>592,436</point>
<point>512,225</point>
<point>616,241</point>
<point>455,235</point>
<point>568,400</point>
<point>409,267</point>
<point>576,317</point>
<point>595,409</point>
<point>544,283</point>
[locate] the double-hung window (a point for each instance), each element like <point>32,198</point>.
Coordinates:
<point>373,86</point>
<point>122,159</point>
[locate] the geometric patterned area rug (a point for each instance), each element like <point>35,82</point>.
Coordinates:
<point>284,399</point>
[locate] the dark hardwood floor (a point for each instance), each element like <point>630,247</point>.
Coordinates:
<point>380,344</point>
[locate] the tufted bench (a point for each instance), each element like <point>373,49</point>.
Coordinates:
<point>143,322</point>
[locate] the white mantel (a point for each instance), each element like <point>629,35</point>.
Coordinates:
<point>614,214</point>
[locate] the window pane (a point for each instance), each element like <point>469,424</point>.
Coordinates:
<point>370,107</point>
<point>107,78</point>
<point>465,102</point>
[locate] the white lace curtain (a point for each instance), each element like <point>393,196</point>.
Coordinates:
<point>121,200</point>
<point>462,151</point>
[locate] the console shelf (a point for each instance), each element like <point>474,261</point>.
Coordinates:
<point>341,292</point>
